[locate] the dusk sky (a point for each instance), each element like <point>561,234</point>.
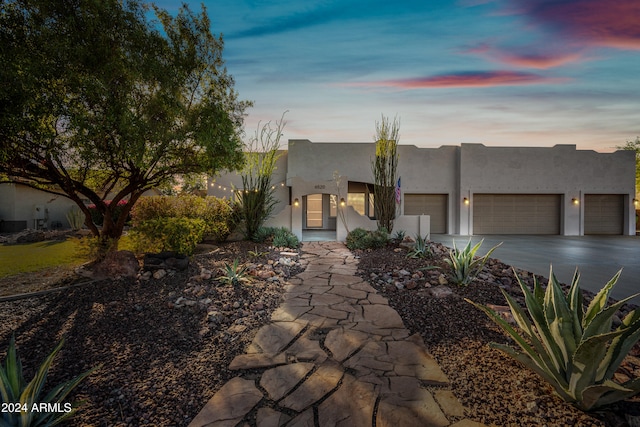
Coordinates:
<point>500,73</point>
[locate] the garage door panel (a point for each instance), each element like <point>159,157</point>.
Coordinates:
<point>603,214</point>
<point>516,213</point>
<point>434,205</point>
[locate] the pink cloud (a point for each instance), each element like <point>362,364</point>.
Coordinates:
<point>537,60</point>
<point>612,23</point>
<point>526,57</point>
<point>466,79</point>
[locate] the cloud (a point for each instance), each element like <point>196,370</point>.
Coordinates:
<point>537,57</point>
<point>466,79</point>
<point>612,23</point>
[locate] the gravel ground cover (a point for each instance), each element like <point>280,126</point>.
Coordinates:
<point>165,344</point>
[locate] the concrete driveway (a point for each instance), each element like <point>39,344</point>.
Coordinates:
<point>598,258</point>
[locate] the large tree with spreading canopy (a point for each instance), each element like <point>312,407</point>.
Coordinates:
<point>100,103</point>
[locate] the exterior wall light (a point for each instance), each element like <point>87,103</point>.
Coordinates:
<point>635,202</point>
<point>343,203</point>
<point>575,201</point>
<point>296,203</point>
<point>465,201</point>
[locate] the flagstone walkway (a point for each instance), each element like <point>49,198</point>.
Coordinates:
<point>334,354</point>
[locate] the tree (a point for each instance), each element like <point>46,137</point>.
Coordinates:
<point>385,175</point>
<point>100,104</point>
<point>634,146</point>
<point>256,198</point>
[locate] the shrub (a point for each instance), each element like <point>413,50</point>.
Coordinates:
<point>464,264</point>
<point>573,349</point>
<point>15,391</point>
<point>180,235</point>
<point>216,214</point>
<point>153,207</point>
<point>284,238</point>
<point>360,238</point>
<point>357,239</point>
<point>263,234</point>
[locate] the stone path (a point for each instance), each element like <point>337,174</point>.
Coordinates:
<point>334,354</point>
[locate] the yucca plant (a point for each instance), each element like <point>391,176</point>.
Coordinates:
<point>21,396</point>
<point>234,274</point>
<point>420,249</point>
<point>573,349</point>
<point>465,266</point>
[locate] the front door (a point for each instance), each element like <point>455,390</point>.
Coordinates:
<point>314,211</point>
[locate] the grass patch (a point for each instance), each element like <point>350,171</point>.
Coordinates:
<point>24,258</point>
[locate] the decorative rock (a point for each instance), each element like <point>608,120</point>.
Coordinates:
<point>440,291</point>
<point>442,280</point>
<point>159,274</point>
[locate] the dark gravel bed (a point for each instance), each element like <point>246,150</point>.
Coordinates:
<point>165,344</point>
<point>496,389</point>
<point>161,362</point>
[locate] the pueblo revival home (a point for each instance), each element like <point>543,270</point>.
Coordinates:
<point>468,189</point>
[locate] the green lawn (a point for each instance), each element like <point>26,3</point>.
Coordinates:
<point>28,257</point>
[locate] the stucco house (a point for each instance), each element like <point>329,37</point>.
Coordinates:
<point>23,207</point>
<point>468,189</point>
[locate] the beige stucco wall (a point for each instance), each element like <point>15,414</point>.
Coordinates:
<point>18,203</point>
<point>561,169</point>
<point>460,172</point>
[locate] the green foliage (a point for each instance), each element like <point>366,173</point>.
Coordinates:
<point>180,235</point>
<point>465,266</point>
<point>257,197</point>
<point>360,238</point>
<point>263,234</point>
<point>573,349</point>
<point>117,106</point>
<point>399,235</point>
<point>216,213</point>
<point>257,254</point>
<point>634,146</point>
<point>284,238</point>
<point>421,249</point>
<point>75,217</point>
<point>234,274</point>
<point>384,167</point>
<point>14,389</point>
<point>278,237</point>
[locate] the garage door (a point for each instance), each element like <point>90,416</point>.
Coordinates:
<point>603,213</point>
<point>434,205</point>
<point>516,213</point>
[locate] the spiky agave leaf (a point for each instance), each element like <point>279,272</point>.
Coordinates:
<point>574,350</point>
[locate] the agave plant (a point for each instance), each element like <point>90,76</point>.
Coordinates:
<point>234,274</point>
<point>420,249</point>
<point>573,349</point>
<point>465,266</point>
<point>20,396</point>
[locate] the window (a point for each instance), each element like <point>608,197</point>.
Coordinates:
<point>357,201</point>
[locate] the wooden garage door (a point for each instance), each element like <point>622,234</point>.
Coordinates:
<point>434,205</point>
<point>516,213</point>
<point>603,213</point>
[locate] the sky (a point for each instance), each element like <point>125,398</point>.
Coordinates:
<point>495,72</point>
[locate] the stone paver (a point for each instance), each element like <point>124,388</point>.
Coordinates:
<point>334,354</point>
